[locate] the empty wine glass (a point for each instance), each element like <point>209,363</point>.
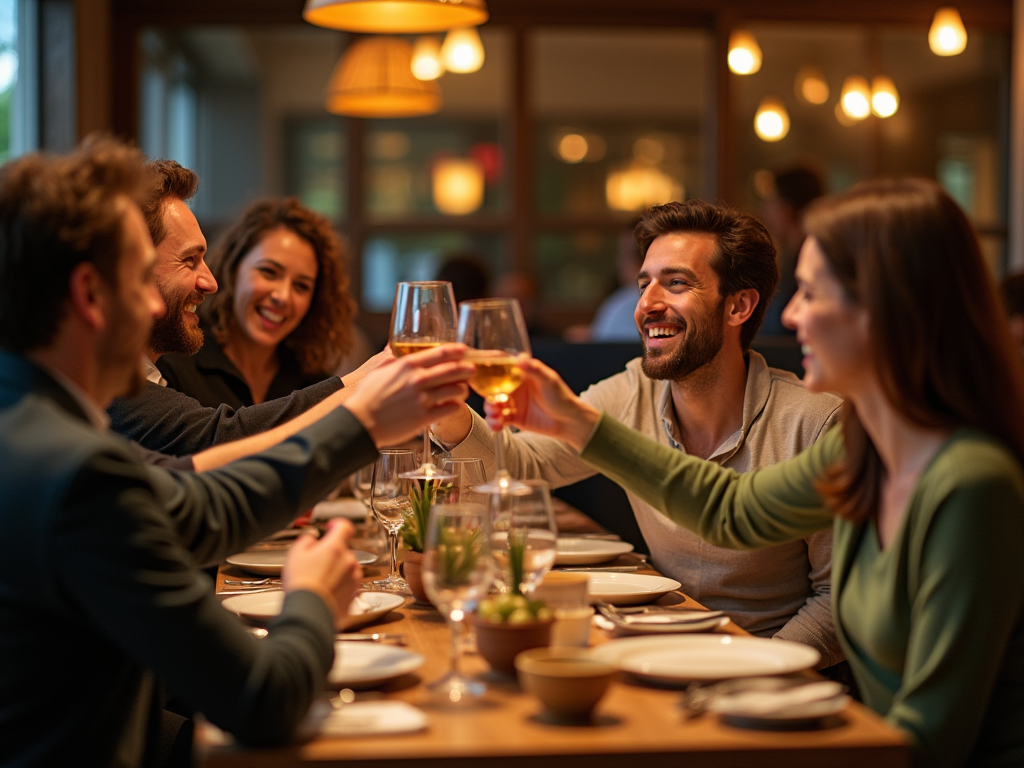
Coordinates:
<point>467,475</point>
<point>362,482</point>
<point>524,535</point>
<point>423,316</point>
<point>456,574</point>
<point>495,332</point>
<point>389,499</point>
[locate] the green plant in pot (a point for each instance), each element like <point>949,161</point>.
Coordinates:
<point>414,533</point>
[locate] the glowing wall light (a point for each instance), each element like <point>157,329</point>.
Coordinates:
<point>856,98</point>
<point>947,36</point>
<point>885,99</point>
<point>744,53</point>
<point>811,85</point>
<point>462,50</point>
<point>771,123</point>
<point>458,185</point>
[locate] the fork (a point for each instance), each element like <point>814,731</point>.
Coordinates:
<point>252,582</point>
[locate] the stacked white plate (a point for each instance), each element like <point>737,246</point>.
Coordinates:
<point>365,609</point>
<point>270,562</point>
<point>581,551</point>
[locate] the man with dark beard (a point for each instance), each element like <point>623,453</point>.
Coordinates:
<point>707,275</point>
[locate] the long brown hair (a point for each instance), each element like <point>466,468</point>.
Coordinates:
<point>325,333</point>
<point>904,251</point>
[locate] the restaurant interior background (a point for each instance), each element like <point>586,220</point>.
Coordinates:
<point>583,112</point>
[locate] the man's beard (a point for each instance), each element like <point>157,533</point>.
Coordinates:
<point>171,334</point>
<point>701,342</point>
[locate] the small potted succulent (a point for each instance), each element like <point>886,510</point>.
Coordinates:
<point>510,623</point>
<point>414,534</point>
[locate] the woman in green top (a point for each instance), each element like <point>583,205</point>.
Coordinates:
<point>923,483</point>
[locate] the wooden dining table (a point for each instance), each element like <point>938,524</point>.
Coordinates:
<point>633,722</point>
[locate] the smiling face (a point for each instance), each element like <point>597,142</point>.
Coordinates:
<point>680,311</point>
<point>183,279</point>
<point>832,330</point>
<point>274,287</point>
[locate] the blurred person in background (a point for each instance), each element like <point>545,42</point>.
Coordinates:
<point>468,273</point>
<point>793,189</point>
<point>282,317</point>
<point>613,320</point>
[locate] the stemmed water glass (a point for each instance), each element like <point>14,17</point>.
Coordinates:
<point>362,483</point>
<point>390,492</point>
<point>423,316</point>
<point>495,332</point>
<point>456,574</point>
<point>524,535</point>
<point>466,477</point>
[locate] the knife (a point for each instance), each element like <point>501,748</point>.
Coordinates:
<point>604,569</point>
<point>375,637</point>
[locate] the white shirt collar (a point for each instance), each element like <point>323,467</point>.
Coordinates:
<point>152,372</point>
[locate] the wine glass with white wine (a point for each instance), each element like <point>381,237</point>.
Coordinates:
<point>423,316</point>
<point>495,332</point>
<point>390,499</point>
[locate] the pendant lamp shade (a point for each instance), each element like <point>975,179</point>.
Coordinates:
<point>394,17</point>
<point>374,79</point>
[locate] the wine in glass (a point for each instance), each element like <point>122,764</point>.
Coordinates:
<point>456,574</point>
<point>495,332</point>
<point>524,535</point>
<point>422,317</point>
<point>390,501</point>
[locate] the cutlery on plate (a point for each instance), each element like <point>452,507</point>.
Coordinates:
<point>596,536</point>
<point>249,590</point>
<point>374,637</point>
<point>252,582</point>
<point>621,615</point>
<point>603,569</point>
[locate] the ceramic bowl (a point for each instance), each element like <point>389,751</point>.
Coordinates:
<point>568,681</point>
<point>499,644</point>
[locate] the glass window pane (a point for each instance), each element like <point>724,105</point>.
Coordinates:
<point>387,259</point>
<point>315,164</point>
<point>451,163</point>
<point>578,268</point>
<point>619,118</point>
<point>8,73</point>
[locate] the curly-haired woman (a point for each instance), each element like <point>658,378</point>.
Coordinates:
<point>282,319</point>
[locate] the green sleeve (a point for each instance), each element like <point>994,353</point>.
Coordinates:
<point>727,509</point>
<point>960,683</point>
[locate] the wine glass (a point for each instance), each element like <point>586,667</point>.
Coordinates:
<point>362,482</point>
<point>467,475</point>
<point>456,573</point>
<point>389,498</point>
<point>423,316</point>
<point>524,535</point>
<point>495,332</point>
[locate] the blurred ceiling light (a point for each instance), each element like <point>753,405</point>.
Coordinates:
<point>649,149</point>
<point>885,99</point>
<point>573,148</point>
<point>844,120</point>
<point>389,145</point>
<point>426,58</point>
<point>395,16</point>
<point>744,53</point>
<point>811,85</point>
<point>458,185</point>
<point>771,123</point>
<point>374,79</point>
<point>638,187</point>
<point>947,36</point>
<point>856,98</point>
<point>462,50</point>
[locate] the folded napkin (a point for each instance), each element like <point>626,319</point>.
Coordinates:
<point>371,718</point>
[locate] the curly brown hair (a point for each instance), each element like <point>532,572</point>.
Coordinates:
<point>325,334</point>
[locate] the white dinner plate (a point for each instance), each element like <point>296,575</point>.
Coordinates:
<point>349,508</point>
<point>366,608</point>
<point>572,551</point>
<point>269,562</point>
<point>362,664</point>
<point>628,588</point>
<point>676,659</point>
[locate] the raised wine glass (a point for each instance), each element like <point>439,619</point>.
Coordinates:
<point>389,498</point>
<point>495,332</point>
<point>456,574</point>
<point>524,535</point>
<point>423,316</point>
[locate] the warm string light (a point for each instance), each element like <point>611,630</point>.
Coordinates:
<point>744,53</point>
<point>947,36</point>
<point>771,123</point>
<point>885,99</point>
<point>462,50</point>
<point>856,98</point>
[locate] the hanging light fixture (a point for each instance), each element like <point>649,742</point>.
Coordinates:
<point>771,123</point>
<point>392,17</point>
<point>426,58</point>
<point>947,36</point>
<point>462,50</point>
<point>885,99</point>
<point>458,185</point>
<point>811,85</point>
<point>744,53</point>
<point>374,79</point>
<point>856,98</point>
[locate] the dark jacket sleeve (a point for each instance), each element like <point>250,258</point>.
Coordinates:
<point>167,421</point>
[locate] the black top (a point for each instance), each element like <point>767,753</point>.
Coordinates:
<point>212,379</point>
<point>99,582</point>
